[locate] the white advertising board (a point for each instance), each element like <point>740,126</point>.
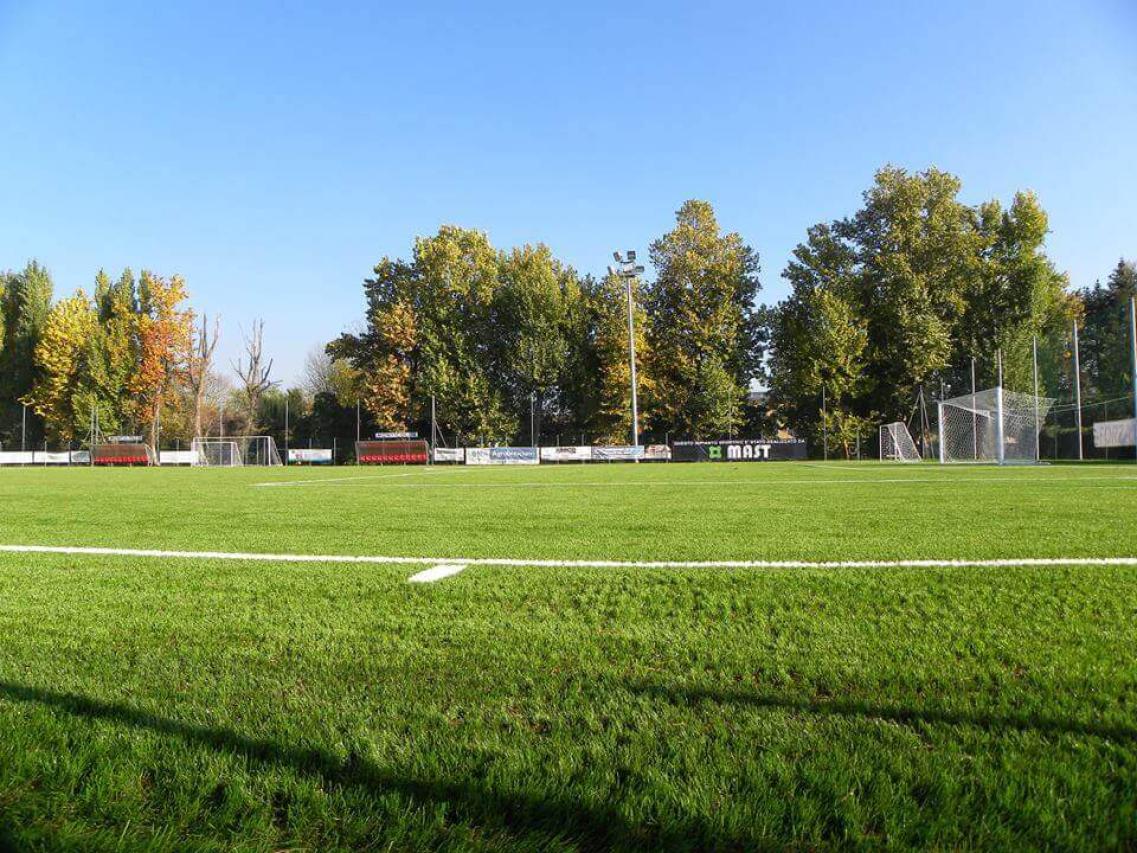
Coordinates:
<point>311,455</point>
<point>566,454</point>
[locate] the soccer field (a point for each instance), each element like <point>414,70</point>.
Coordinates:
<point>883,655</point>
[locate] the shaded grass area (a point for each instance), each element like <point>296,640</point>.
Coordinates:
<point>205,706</point>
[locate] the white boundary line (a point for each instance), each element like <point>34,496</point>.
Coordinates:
<point>339,479</point>
<point>764,484</point>
<point>581,564</point>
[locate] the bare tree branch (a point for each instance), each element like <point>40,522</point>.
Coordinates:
<point>255,376</point>
<point>200,367</point>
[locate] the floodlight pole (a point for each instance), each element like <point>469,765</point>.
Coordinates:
<point>1037,425</point>
<point>285,427</point>
<point>824,427</point>
<point>1133,344</point>
<point>532,422</point>
<point>974,417</point>
<point>357,420</point>
<point>628,271</point>
<point>24,429</point>
<point>940,420</point>
<point>1078,390</point>
<point>1000,451</point>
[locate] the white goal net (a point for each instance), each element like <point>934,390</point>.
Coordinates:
<point>995,425</point>
<point>235,452</point>
<point>896,443</point>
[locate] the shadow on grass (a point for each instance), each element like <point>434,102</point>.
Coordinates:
<point>848,708</point>
<point>557,820</point>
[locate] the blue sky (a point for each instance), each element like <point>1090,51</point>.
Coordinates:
<point>272,152</point>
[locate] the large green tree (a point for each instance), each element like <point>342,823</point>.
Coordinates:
<point>533,316</point>
<point>429,328</point>
<point>24,307</point>
<point>61,394</point>
<point>819,342</point>
<point>1013,296</point>
<point>1107,361</point>
<point>703,326</point>
<point>928,283</point>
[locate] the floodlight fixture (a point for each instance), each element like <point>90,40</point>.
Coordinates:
<point>617,258</point>
<point>631,254</point>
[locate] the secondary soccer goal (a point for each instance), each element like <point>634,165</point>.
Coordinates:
<point>235,452</point>
<point>995,425</point>
<point>896,443</point>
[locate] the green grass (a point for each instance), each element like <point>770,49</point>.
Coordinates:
<point>196,704</point>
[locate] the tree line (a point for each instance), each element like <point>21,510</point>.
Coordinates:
<point>132,357</point>
<point>502,344</point>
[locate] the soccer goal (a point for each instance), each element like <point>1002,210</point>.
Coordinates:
<point>896,443</point>
<point>234,452</point>
<point>995,425</point>
<point>215,453</point>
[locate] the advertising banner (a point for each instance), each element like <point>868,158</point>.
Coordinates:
<point>478,456</point>
<point>658,452</point>
<point>566,454</point>
<point>40,457</point>
<point>617,453</point>
<point>501,456</point>
<point>513,455</point>
<point>738,450</point>
<point>449,454</point>
<point>310,455</point>
<point>178,457</point>
<point>1115,433</point>
<point>396,435</point>
<point>53,458</point>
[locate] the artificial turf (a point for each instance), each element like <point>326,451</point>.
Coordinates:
<point>187,703</point>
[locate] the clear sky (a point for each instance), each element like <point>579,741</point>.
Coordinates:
<point>272,152</point>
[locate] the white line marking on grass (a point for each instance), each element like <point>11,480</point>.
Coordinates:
<point>757,483</point>
<point>437,573</point>
<point>568,564</point>
<point>340,479</point>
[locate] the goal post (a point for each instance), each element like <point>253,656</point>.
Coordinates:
<point>995,425</point>
<point>215,453</point>
<point>235,452</point>
<point>896,444</point>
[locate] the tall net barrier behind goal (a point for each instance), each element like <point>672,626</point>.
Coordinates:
<point>415,452</point>
<point>995,425</point>
<point>896,444</point>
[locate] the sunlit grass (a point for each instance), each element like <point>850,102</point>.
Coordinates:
<point>192,703</point>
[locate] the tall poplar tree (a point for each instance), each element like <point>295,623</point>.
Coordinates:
<point>703,329</point>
